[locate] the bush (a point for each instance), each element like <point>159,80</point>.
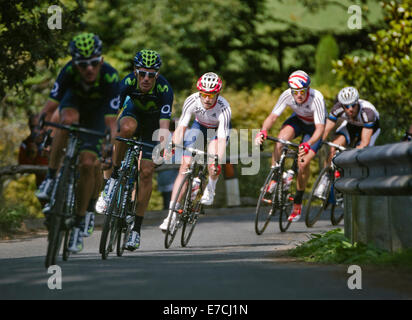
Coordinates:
<point>11,218</point>
<point>334,247</point>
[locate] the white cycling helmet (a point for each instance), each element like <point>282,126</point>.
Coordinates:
<point>348,96</point>
<point>209,83</point>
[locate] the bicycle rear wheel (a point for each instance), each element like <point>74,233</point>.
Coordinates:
<point>175,213</point>
<point>265,208</point>
<point>317,204</point>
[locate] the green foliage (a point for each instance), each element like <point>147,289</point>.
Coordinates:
<point>385,76</point>
<point>11,218</point>
<point>326,51</point>
<point>334,247</point>
<point>25,37</point>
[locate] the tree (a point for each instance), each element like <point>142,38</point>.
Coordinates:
<point>384,77</point>
<point>25,37</point>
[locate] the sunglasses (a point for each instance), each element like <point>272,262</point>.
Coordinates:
<point>143,74</point>
<point>208,95</point>
<point>90,62</point>
<point>296,92</point>
<point>350,105</point>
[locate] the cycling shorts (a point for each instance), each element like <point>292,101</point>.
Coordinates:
<point>301,128</point>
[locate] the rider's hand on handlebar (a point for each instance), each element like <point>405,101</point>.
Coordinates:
<point>260,137</point>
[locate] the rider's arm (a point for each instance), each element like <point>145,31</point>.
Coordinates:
<point>366,135</point>
<point>328,128</point>
<point>269,122</point>
<point>49,108</point>
<point>317,134</point>
<point>179,134</point>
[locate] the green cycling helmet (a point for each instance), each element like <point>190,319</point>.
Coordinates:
<point>85,45</point>
<point>148,59</point>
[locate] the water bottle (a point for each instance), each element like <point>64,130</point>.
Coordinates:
<point>288,178</point>
<point>321,189</point>
<point>195,187</point>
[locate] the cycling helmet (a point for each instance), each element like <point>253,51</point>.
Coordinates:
<point>209,83</point>
<point>85,45</point>
<point>148,59</point>
<point>299,80</point>
<point>348,96</point>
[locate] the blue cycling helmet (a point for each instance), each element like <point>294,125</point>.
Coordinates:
<point>85,45</point>
<point>148,59</point>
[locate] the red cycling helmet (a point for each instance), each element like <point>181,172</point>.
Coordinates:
<point>209,83</point>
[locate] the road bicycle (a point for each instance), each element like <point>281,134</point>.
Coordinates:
<point>324,194</point>
<point>187,205</point>
<point>63,210</point>
<point>276,193</point>
<point>120,212</point>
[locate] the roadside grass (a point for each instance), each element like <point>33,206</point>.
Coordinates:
<point>333,247</point>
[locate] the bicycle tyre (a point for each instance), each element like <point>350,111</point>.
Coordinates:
<point>260,206</point>
<point>66,252</point>
<point>284,202</point>
<point>124,228</point>
<point>190,221</point>
<point>336,218</point>
<point>312,216</point>
<point>55,230</point>
<point>107,225</point>
<point>171,234</point>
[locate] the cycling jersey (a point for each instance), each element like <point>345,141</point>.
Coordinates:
<point>92,101</point>
<point>147,109</point>
<point>367,116</point>
<point>311,111</point>
<point>157,103</point>
<point>217,117</point>
<point>103,90</point>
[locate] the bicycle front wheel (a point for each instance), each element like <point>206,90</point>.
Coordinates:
<point>265,208</point>
<point>336,211</point>
<point>176,212</point>
<point>317,203</point>
<point>190,220</point>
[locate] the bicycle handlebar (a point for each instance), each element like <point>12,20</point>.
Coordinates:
<point>330,144</point>
<point>285,142</point>
<point>72,128</point>
<point>135,142</point>
<point>197,151</point>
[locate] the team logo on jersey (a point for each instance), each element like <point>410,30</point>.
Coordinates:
<point>55,89</point>
<point>115,103</point>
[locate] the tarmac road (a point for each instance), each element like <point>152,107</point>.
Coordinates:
<point>225,259</point>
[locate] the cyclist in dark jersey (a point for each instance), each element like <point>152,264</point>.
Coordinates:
<point>360,127</point>
<point>147,99</point>
<point>86,92</point>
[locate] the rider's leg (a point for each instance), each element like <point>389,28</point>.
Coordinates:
<point>128,126</point>
<point>89,176</point>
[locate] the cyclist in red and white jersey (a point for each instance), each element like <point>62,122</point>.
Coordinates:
<point>210,128</point>
<point>308,120</point>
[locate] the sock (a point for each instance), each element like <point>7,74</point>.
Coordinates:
<point>298,197</point>
<point>51,173</point>
<point>137,223</point>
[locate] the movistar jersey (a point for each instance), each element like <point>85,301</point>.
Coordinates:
<point>157,103</point>
<point>103,91</point>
